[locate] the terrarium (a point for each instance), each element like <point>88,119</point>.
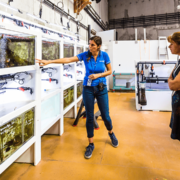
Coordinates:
<point>68,50</point>
<point>68,96</point>
<point>50,50</point>
<point>16,50</point>
<point>79,89</point>
<point>28,125</point>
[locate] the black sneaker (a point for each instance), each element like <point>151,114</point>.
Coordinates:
<point>89,150</point>
<point>114,140</point>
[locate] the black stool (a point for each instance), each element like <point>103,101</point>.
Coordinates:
<point>80,114</point>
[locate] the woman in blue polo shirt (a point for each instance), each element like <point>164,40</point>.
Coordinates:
<point>98,66</point>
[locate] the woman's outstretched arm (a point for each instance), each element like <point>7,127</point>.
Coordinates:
<point>57,61</point>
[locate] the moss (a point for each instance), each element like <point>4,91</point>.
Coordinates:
<point>7,152</point>
<point>28,124</point>
<point>20,53</point>
<point>50,50</point>
<point>68,50</point>
<point>16,51</point>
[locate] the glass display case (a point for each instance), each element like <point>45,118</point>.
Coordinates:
<point>80,70</point>
<point>50,50</point>
<point>16,91</point>
<point>68,50</point>
<point>28,125</point>
<point>16,49</point>
<point>0,148</point>
<point>68,96</point>
<point>15,132</point>
<point>50,80</point>
<point>79,49</point>
<point>79,89</point>
<point>50,109</point>
<point>68,74</point>
<point>11,135</point>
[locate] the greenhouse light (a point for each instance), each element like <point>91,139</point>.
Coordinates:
<point>8,6</point>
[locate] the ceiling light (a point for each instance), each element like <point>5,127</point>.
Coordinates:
<point>178,7</point>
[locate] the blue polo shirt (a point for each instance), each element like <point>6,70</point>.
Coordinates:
<point>94,67</point>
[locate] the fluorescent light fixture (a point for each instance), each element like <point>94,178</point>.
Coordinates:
<point>55,25</point>
<point>63,27</point>
<point>8,6</point>
<point>77,34</point>
<point>37,18</point>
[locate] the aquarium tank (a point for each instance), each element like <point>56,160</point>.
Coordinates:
<point>11,137</point>
<point>16,50</point>
<point>68,50</point>
<point>14,133</point>
<point>50,50</point>
<point>68,96</point>
<point>79,89</point>
<point>0,148</point>
<point>79,50</point>
<point>28,125</point>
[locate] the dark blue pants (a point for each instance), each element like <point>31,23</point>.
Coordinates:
<point>89,94</point>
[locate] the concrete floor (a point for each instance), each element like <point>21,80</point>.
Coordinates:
<point>145,150</point>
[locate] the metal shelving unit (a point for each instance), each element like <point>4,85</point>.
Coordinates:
<point>123,80</point>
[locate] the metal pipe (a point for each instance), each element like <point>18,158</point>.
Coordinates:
<point>136,36</point>
<point>61,11</point>
<point>144,35</point>
<point>89,32</point>
<point>150,20</point>
<point>156,79</point>
<point>155,62</point>
<point>116,36</point>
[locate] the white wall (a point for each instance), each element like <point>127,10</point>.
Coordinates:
<point>32,7</point>
<point>107,35</point>
<point>123,55</point>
